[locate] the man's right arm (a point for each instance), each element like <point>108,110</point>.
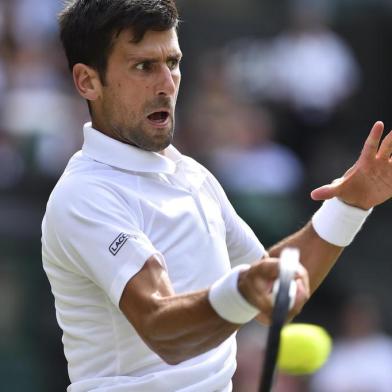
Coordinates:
<point>179,327</point>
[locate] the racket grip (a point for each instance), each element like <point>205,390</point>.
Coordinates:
<point>292,292</point>
<point>288,266</point>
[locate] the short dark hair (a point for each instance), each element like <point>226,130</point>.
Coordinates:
<point>87,27</point>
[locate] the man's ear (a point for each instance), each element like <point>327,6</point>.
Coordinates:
<point>87,81</point>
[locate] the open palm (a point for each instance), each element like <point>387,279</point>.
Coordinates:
<point>369,182</point>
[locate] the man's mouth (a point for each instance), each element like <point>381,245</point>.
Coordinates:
<point>159,117</point>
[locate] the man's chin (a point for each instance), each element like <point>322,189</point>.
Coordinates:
<point>159,146</point>
<point>157,143</point>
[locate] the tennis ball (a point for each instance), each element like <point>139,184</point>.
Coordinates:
<point>304,348</point>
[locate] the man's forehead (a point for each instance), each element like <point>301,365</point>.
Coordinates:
<point>152,41</point>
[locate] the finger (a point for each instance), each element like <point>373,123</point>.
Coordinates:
<point>303,287</point>
<point>260,278</point>
<point>373,140</point>
<point>269,268</point>
<point>303,275</point>
<point>385,149</point>
<point>300,299</point>
<point>325,192</point>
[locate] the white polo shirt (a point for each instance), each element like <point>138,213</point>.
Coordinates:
<point>114,207</point>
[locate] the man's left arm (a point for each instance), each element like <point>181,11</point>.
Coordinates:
<point>365,185</point>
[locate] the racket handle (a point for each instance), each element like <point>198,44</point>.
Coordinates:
<point>289,265</point>
<point>292,292</point>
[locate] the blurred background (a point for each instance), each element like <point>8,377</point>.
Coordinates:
<point>277,98</point>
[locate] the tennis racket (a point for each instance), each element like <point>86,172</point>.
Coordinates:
<point>284,291</point>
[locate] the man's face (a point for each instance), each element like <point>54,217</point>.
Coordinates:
<point>136,104</point>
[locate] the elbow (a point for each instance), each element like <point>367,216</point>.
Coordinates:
<point>172,356</point>
<point>171,351</point>
<point>172,348</point>
<point>172,359</point>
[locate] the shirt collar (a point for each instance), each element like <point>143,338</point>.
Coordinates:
<point>112,152</point>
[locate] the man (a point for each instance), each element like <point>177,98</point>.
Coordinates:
<point>138,239</point>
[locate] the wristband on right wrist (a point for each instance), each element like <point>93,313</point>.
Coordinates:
<point>228,302</point>
<point>337,222</point>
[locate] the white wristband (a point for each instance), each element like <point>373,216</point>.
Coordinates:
<point>337,222</point>
<point>228,302</point>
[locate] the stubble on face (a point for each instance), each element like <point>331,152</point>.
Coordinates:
<point>133,130</point>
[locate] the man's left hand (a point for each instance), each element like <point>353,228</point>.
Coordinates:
<point>369,182</point>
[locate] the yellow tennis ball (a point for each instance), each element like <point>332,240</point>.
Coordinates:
<point>304,348</point>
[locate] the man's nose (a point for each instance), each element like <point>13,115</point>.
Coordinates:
<point>166,85</point>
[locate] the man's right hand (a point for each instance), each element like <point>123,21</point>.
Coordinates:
<point>256,285</point>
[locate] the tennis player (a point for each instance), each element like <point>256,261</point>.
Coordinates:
<point>138,240</point>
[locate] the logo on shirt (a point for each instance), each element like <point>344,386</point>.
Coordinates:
<point>118,243</point>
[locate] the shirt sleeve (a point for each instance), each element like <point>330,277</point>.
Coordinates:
<point>94,232</point>
<point>242,244</point>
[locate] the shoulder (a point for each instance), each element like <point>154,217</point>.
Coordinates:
<point>87,188</point>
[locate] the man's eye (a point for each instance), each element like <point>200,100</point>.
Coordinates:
<point>145,66</point>
<point>173,63</point>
